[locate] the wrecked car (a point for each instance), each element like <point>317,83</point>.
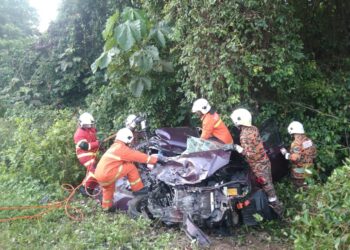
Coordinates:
<point>202,185</point>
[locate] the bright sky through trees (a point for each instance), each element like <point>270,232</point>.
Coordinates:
<point>47,11</point>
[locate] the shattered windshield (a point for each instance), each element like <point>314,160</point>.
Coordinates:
<point>195,144</point>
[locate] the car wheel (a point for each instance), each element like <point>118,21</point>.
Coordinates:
<point>137,207</point>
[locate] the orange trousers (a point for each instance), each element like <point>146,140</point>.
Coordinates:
<point>107,182</point>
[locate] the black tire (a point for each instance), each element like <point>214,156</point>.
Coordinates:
<point>137,207</point>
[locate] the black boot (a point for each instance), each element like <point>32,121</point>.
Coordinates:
<point>90,191</point>
<point>277,207</point>
<point>112,209</point>
<point>86,192</point>
<point>83,191</point>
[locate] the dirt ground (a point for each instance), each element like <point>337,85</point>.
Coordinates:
<point>249,241</point>
<point>254,240</point>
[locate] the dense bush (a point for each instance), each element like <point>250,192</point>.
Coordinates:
<point>250,54</point>
<point>323,220</point>
<point>40,144</point>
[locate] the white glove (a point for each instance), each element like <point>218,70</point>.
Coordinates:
<point>238,148</point>
<point>150,167</point>
<point>287,156</point>
<point>283,151</point>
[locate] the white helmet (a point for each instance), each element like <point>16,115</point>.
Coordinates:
<point>86,120</point>
<point>296,128</point>
<point>125,135</point>
<point>130,121</point>
<point>201,105</point>
<point>241,117</point>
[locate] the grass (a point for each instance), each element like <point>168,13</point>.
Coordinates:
<point>55,230</point>
<point>99,230</point>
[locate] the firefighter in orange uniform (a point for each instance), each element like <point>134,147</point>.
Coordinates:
<point>253,150</point>
<point>86,147</point>
<point>117,162</point>
<point>302,154</point>
<point>212,125</point>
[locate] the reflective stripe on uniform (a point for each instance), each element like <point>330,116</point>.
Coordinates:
<point>103,184</point>
<point>109,155</point>
<point>86,154</point>
<point>217,123</point>
<point>88,163</point>
<point>107,201</point>
<point>148,159</point>
<point>77,145</point>
<point>133,183</point>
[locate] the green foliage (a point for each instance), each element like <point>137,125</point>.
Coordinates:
<point>324,32</point>
<point>17,19</point>
<point>133,57</point>
<point>323,220</point>
<point>129,54</point>
<point>234,51</point>
<point>249,54</point>
<point>318,102</point>
<point>64,53</point>
<point>17,33</point>
<point>41,146</point>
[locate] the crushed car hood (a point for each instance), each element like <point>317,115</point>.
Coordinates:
<point>191,168</point>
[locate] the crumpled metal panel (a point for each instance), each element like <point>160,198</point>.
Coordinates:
<point>194,233</point>
<point>191,168</point>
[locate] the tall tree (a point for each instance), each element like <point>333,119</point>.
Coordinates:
<point>17,33</point>
<point>71,44</point>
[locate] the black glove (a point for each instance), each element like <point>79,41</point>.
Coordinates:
<point>84,145</point>
<point>162,159</point>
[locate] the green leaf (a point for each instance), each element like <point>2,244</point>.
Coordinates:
<point>138,84</point>
<point>110,43</point>
<point>144,59</point>
<point>128,33</point>
<point>132,14</point>
<point>167,66</point>
<point>153,52</point>
<point>159,32</point>
<point>104,60</point>
<point>108,31</point>
<point>161,38</point>
<point>94,66</point>
<point>258,217</point>
<point>141,61</point>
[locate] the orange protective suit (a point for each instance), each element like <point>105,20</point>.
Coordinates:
<point>213,126</point>
<point>117,163</point>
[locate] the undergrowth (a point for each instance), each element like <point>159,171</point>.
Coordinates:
<point>55,230</point>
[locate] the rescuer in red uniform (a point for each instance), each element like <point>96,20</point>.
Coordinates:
<point>86,148</point>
